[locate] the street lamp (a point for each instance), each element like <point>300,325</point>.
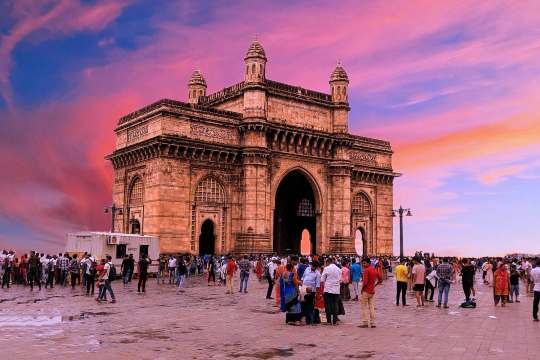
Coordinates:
<point>113,209</point>
<point>401,211</point>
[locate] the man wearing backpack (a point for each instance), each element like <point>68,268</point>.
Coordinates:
<point>110,275</point>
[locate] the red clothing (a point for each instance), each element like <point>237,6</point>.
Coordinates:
<point>231,268</point>
<point>369,279</point>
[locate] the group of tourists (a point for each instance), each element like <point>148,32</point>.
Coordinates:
<point>302,287</point>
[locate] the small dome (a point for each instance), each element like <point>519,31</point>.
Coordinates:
<point>255,50</point>
<point>339,74</point>
<point>197,79</point>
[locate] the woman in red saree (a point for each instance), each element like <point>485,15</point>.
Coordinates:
<point>500,285</point>
<point>259,269</point>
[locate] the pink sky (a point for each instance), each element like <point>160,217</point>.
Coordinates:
<point>453,86</point>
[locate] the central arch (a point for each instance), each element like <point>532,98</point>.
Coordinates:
<point>294,212</point>
<point>207,239</point>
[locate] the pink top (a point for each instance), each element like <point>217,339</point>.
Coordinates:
<point>345,275</point>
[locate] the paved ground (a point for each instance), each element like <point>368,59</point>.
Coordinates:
<point>204,323</point>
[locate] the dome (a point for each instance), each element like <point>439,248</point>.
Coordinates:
<point>255,50</point>
<point>339,74</point>
<point>197,79</point>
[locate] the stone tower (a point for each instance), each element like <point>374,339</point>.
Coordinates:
<point>196,87</point>
<point>338,86</point>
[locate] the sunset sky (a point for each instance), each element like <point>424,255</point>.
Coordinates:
<point>453,85</point>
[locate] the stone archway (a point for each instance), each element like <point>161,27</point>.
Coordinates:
<point>207,238</point>
<point>294,212</point>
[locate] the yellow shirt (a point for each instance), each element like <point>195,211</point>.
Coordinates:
<point>401,273</point>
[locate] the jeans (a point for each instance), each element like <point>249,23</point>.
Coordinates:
<point>308,308</point>
<point>33,278</point>
<point>356,287</point>
<point>89,279</point>
<point>181,281</point>
<point>244,277</point>
<point>270,287</point>
<point>125,277</point>
<point>142,282</point>
<point>63,277</point>
<point>444,287</point>
<point>367,304</point>
<point>172,275</point>
<point>50,278</point>
<point>106,286</point>
<point>401,289</point>
<point>429,287</point>
<point>535,304</point>
<point>514,290</point>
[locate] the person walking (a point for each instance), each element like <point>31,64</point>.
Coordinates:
<point>270,270</point>
<point>90,274</point>
<point>63,266</point>
<point>445,273</point>
<point>419,281</point>
<point>356,277</point>
<point>311,282</point>
<point>34,271</point>
<point>245,267</point>
<point>181,271</point>
<point>50,272</point>
<point>331,278</point>
<point>402,274</point>
<point>172,270</point>
<point>109,275</point>
<point>535,277</point>
<point>467,278</point>
<point>230,271</point>
<point>210,268</point>
<point>144,263</point>
<point>514,285</point>
<point>371,278</point>
<point>501,281</point>
<point>74,270</point>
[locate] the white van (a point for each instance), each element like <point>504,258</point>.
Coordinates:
<point>117,245</point>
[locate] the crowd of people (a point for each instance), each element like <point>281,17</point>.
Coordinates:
<point>302,287</point>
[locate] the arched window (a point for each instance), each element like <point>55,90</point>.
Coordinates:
<point>305,208</point>
<point>361,205</point>
<point>210,191</point>
<point>253,69</point>
<point>136,193</point>
<point>260,70</point>
<point>247,69</point>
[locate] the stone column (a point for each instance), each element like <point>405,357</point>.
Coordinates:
<point>339,223</point>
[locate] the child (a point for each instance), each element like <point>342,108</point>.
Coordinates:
<point>514,284</point>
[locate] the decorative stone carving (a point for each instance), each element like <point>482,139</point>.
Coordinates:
<point>137,132</point>
<point>205,132</point>
<point>363,157</point>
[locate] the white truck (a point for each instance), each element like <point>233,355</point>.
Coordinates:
<point>117,245</point>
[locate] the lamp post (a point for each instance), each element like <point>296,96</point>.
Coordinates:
<point>401,211</point>
<point>113,209</point>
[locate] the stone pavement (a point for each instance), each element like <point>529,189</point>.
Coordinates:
<point>204,323</point>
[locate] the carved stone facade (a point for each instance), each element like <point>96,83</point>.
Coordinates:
<point>248,169</point>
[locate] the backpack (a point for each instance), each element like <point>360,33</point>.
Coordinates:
<point>112,273</point>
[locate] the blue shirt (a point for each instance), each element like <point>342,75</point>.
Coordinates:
<point>356,272</point>
<point>300,270</point>
<point>311,278</point>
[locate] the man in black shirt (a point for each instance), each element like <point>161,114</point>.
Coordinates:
<point>467,278</point>
<point>144,262</point>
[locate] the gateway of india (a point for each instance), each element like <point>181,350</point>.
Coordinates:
<point>253,168</point>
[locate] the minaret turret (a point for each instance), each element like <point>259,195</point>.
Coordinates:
<point>339,81</point>
<point>196,87</point>
<point>255,61</point>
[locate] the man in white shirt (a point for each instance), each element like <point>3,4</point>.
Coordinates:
<point>172,269</point>
<point>535,277</point>
<point>107,278</point>
<point>331,278</point>
<point>270,273</point>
